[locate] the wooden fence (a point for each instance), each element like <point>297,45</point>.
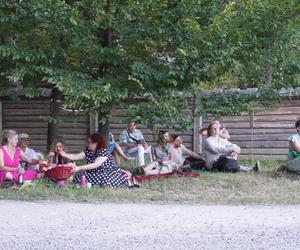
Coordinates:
<point>116,127</point>
<point>267,139</point>
<point>271,129</point>
<point>29,116</point>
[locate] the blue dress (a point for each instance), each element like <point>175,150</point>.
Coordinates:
<point>112,143</point>
<point>105,175</point>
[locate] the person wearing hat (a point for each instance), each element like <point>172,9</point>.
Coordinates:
<point>23,144</point>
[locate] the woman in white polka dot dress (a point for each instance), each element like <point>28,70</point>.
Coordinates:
<point>100,168</point>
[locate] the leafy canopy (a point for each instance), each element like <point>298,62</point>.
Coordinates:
<point>102,53</point>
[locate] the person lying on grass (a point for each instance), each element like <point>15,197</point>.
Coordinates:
<point>220,154</point>
<point>100,168</point>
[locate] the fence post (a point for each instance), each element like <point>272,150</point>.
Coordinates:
<point>197,139</point>
<point>93,122</point>
<point>252,135</point>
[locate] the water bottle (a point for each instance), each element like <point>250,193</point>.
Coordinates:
<point>83,181</point>
<point>20,179</point>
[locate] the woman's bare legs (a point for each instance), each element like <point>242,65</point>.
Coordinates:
<point>116,157</point>
<point>151,168</point>
<point>9,176</point>
<point>120,153</point>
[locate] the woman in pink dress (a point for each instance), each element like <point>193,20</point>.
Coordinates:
<point>10,156</point>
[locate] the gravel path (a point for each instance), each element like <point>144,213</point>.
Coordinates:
<point>52,225</point>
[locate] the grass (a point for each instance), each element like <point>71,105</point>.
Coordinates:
<point>266,187</point>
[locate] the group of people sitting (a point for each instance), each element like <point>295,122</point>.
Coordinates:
<point>100,168</point>
<point>103,161</point>
<point>168,153</point>
<point>165,156</point>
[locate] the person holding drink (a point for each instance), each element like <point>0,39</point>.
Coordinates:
<point>54,156</point>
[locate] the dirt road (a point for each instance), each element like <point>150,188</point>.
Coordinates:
<point>56,225</point>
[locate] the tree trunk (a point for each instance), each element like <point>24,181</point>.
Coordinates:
<point>269,75</point>
<point>104,128</point>
<point>53,127</point>
<point>107,42</point>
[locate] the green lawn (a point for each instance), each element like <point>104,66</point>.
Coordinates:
<point>266,187</point>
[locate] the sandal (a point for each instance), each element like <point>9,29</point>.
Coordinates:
<point>133,183</point>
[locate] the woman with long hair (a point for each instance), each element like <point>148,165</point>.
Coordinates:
<point>10,156</point>
<point>100,168</point>
<point>54,156</point>
<point>160,154</point>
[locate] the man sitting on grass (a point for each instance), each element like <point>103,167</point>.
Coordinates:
<point>133,142</point>
<point>220,154</point>
<point>23,143</point>
<point>177,150</point>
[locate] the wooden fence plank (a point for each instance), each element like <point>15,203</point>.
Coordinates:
<point>263,157</point>
<point>28,116</point>
<point>265,151</point>
<point>262,144</point>
<point>247,131</point>
<point>272,127</point>
<point>263,137</point>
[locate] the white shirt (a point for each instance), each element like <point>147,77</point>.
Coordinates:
<point>31,153</point>
<point>214,147</point>
<point>176,154</point>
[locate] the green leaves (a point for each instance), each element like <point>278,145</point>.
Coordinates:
<point>165,108</point>
<point>230,103</point>
<point>101,53</point>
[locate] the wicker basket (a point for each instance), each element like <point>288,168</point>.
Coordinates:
<point>59,173</point>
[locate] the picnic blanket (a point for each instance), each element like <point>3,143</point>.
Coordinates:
<point>141,178</point>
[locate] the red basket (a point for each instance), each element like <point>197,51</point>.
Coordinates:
<point>59,173</point>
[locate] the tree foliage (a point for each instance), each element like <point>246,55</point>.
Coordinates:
<point>102,53</point>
